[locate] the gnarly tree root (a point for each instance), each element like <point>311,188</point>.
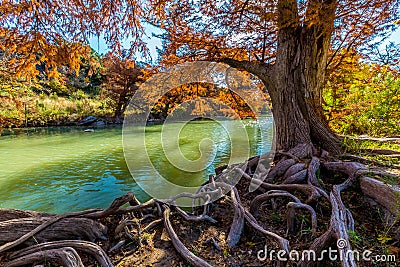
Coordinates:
<point>238,220</point>
<point>282,242</point>
<point>67,257</point>
<point>386,195</point>
<point>87,247</point>
<point>368,161</point>
<point>292,206</point>
<point>179,246</point>
<point>296,177</point>
<point>31,230</point>
<point>260,199</point>
<point>305,171</point>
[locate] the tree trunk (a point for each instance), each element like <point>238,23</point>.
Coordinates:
<point>297,81</point>
<point>120,108</point>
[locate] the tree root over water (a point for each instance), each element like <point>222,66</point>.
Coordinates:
<point>32,238</point>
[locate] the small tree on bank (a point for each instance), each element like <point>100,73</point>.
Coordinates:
<point>121,78</point>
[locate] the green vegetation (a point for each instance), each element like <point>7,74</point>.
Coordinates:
<point>48,103</point>
<point>356,145</point>
<point>364,99</point>
<point>101,88</point>
<point>372,150</point>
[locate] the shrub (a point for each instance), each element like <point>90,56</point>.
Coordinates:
<point>366,102</point>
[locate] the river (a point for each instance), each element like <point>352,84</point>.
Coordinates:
<point>64,169</point>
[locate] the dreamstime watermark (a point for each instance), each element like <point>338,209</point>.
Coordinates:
<point>342,253</point>
<point>157,87</point>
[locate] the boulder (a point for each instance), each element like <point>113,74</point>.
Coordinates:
<point>88,120</point>
<point>98,123</point>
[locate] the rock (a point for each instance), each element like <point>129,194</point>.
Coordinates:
<point>88,120</point>
<point>98,123</point>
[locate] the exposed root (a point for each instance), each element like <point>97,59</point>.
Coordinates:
<point>294,169</point>
<point>280,168</point>
<point>21,231</point>
<point>87,247</point>
<point>6,214</point>
<point>238,220</point>
<point>341,219</point>
<point>287,154</point>
<point>179,246</point>
<point>292,206</point>
<point>349,168</point>
<point>67,257</point>
<point>387,196</point>
<point>214,243</point>
<point>368,161</point>
<point>313,192</point>
<point>313,167</point>
<point>260,199</point>
<point>188,217</point>
<point>282,242</point>
<point>297,177</point>
<point>115,207</point>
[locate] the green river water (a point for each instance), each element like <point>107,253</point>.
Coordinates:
<point>65,169</point>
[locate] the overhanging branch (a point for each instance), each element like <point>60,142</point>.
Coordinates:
<point>262,70</point>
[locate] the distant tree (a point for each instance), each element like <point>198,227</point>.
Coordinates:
<point>187,92</point>
<point>363,97</point>
<point>388,55</point>
<point>57,32</point>
<point>121,78</point>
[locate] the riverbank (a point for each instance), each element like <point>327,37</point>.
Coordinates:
<point>51,128</point>
<point>50,111</point>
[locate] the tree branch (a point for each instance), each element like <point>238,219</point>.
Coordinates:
<point>262,70</point>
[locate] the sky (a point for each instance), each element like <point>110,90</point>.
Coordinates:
<point>153,43</point>
<point>99,44</point>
